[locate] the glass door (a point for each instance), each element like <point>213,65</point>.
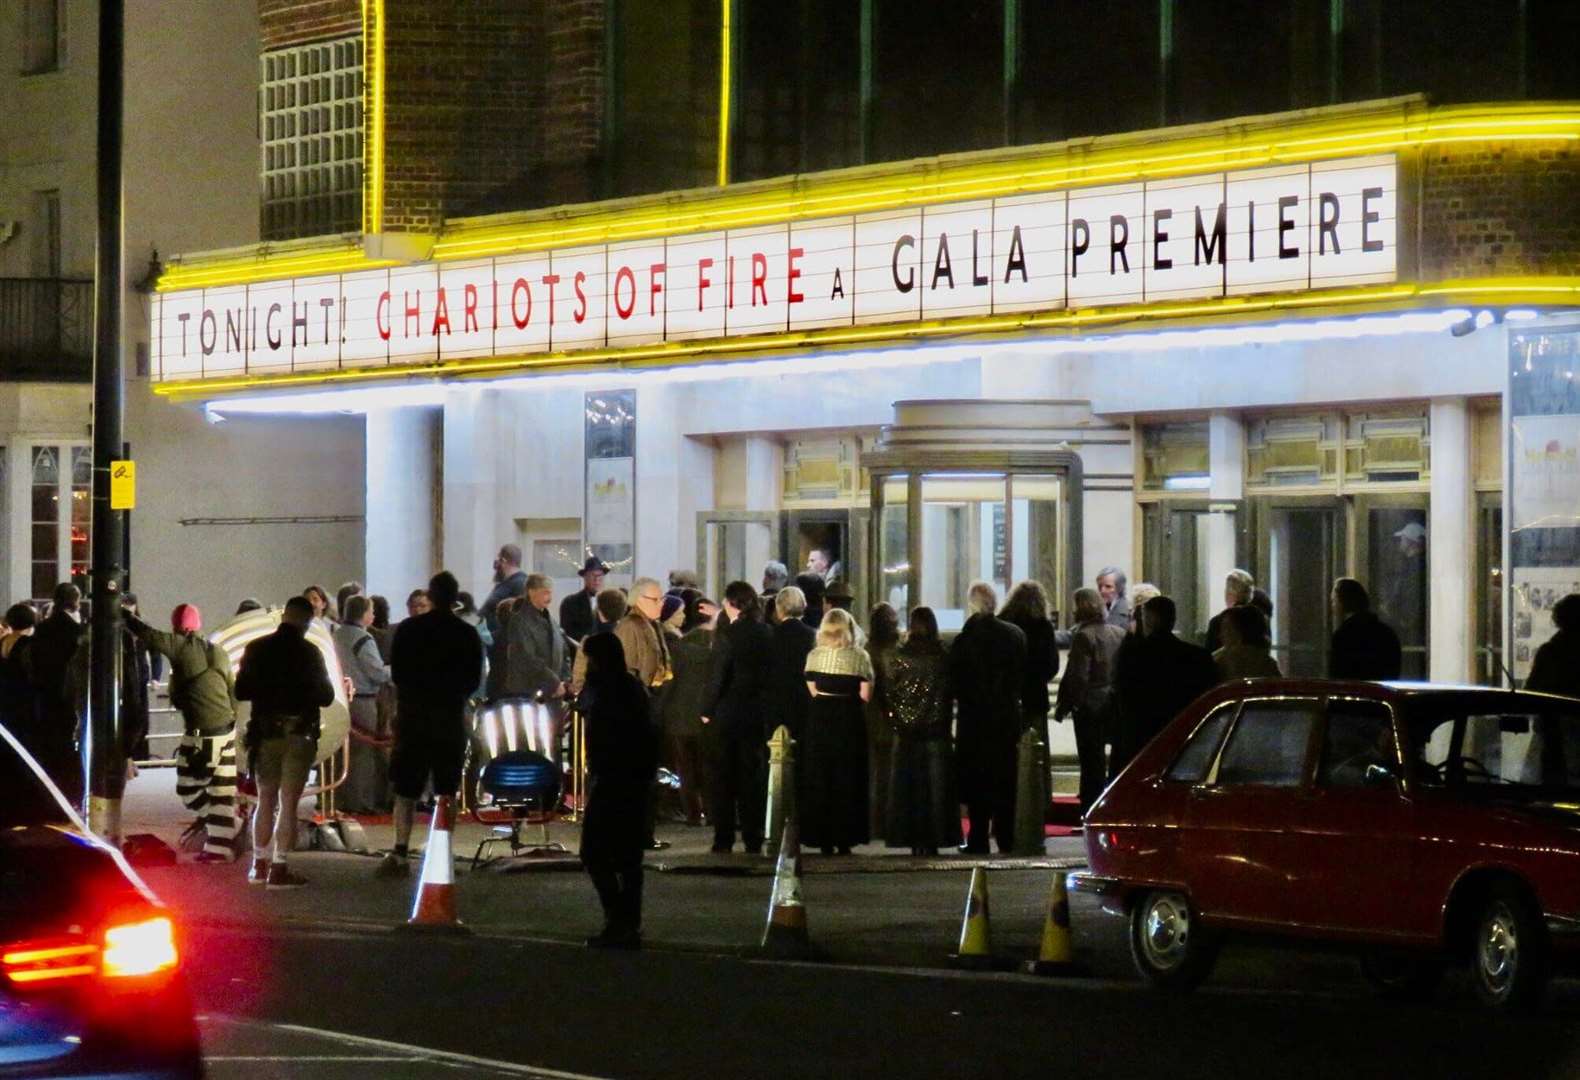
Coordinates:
<point>1490,661</point>
<point>965,535</point>
<point>1300,552</point>
<point>735,546</point>
<point>1391,540</point>
<point>1175,546</point>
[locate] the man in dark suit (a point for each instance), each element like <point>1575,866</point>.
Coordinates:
<point>987,669</point>
<point>579,610</point>
<point>1363,646</point>
<point>732,711</point>
<point>55,644</point>
<point>1157,677</point>
<point>789,699</point>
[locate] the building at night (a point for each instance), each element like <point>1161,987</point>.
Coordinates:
<point>946,291</point>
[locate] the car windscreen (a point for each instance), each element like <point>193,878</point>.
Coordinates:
<point>1522,751</point>
<point>24,799</point>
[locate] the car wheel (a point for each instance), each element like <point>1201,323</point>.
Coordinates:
<point>1402,975</point>
<point>1508,957</point>
<point>1170,950</point>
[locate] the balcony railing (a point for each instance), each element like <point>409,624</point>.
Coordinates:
<point>46,330</point>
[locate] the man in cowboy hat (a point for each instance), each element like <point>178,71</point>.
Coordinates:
<point>578,611</point>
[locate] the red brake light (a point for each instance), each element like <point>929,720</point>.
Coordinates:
<point>130,950</point>
<point>32,962</point>
<point>142,948</point>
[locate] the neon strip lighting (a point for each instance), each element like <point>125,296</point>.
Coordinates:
<point>725,104</point>
<point>373,149</point>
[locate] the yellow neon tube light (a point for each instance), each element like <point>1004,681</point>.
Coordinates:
<point>373,146</point>
<point>725,104</point>
<point>1361,300</point>
<point>1399,125</point>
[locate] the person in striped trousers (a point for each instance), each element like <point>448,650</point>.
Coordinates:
<point>203,690</point>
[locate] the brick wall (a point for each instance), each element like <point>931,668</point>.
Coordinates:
<point>283,23</point>
<point>1497,209</point>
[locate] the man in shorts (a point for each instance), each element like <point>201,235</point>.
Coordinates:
<point>436,661</point>
<point>285,678</point>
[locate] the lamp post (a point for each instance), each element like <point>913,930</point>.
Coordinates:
<point>105,759</point>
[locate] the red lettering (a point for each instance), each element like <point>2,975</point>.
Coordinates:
<point>413,314</point>
<point>441,314</point>
<point>729,282</point>
<point>580,314</point>
<point>551,280</point>
<point>654,287</point>
<point>493,286</point>
<point>516,290</point>
<point>702,279</point>
<point>625,275</point>
<point>381,316</point>
<point>469,322</point>
<point>759,277</point>
<point>794,272</point>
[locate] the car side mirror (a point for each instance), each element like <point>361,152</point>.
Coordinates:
<point>1379,775</point>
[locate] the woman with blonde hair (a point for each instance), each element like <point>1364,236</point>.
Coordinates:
<point>839,676</point>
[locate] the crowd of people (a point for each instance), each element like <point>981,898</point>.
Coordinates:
<point>895,730</point>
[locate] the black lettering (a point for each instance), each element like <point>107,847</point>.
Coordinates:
<point>269,333</point>
<point>208,332</point>
<point>1327,222</point>
<point>1017,257</point>
<point>1250,232</point>
<point>1369,217</point>
<point>839,285</point>
<point>326,303</point>
<point>235,324</point>
<point>1285,225</point>
<point>909,283</point>
<point>976,278</point>
<point>1118,237</point>
<point>942,267</point>
<point>182,319</point>
<point>1160,237</point>
<point>1080,240</point>
<point>1207,245</point>
<point>299,321</point>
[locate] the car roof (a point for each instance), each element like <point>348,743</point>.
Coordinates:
<point>1389,690</point>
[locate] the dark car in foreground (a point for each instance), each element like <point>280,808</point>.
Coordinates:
<point>1420,825</point>
<point>90,979</point>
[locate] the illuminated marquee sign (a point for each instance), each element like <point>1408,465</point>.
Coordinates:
<point>1278,229</point>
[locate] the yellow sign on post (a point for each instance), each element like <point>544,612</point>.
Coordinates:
<point>123,485</point>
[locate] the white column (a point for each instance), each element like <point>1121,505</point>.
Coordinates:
<point>1226,462</point>
<point>1450,542</point>
<point>471,486</point>
<point>400,510</point>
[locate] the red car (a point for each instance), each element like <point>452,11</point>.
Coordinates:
<point>1421,824</point>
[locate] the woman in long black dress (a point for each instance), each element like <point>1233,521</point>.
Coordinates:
<point>622,759</point>
<point>834,784</point>
<point>923,812</point>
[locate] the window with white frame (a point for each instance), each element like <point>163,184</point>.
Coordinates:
<point>310,120</point>
<point>61,511</point>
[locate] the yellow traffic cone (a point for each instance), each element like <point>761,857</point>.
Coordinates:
<point>976,937</point>
<point>434,909</point>
<point>1054,956</point>
<point>785,936</point>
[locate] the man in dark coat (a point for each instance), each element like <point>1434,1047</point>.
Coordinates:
<point>287,681</point>
<point>436,664</point>
<point>1111,587</point>
<point>1158,675</point>
<point>814,589</point>
<point>1238,588</point>
<point>987,668</point>
<point>509,581</point>
<point>732,711</point>
<point>579,610</point>
<point>788,700</point>
<point>1556,669</point>
<point>51,656</point>
<point>1363,646</point>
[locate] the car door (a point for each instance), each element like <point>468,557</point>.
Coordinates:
<point>1234,849</point>
<point>1350,835</point>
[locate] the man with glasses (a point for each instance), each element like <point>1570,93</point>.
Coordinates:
<point>647,657</point>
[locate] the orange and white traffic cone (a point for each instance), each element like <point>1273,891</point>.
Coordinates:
<point>434,909</point>
<point>785,936</point>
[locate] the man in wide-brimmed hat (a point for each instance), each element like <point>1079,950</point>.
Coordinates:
<point>578,611</point>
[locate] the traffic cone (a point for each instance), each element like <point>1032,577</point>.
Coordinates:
<point>1054,955</point>
<point>785,936</point>
<point>434,909</point>
<point>976,937</point>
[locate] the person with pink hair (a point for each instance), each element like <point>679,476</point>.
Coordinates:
<point>203,690</point>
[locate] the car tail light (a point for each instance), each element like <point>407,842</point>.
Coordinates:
<point>141,948</point>
<point>129,950</point>
<point>30,963</point>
